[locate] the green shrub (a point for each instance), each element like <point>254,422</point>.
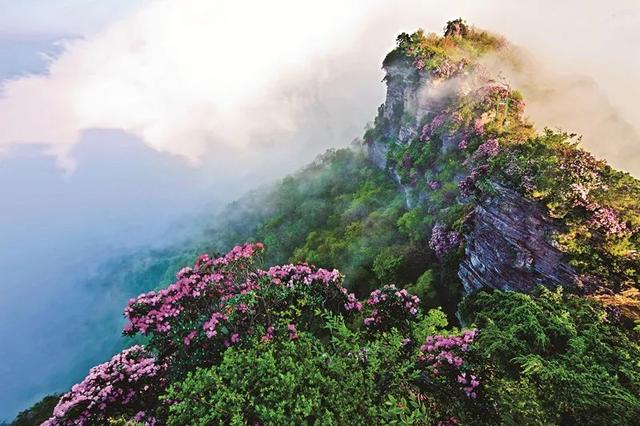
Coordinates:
<point>552,358</point>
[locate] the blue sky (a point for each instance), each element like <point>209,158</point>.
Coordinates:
<point>32,18</point>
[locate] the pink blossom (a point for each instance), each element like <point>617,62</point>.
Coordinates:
<point>442,241</point>
<point>110,388</point>
<point>443,356</point>
<point>269,334</point>
<point>489,148</point>
<point>429,129</point>
<point>478,126</point>
<point>391,306</point>
<point>434,185</point>
<point>293,334</point>
<point>468,184</point>
<point>189,337</point>
<point>210,326</point>
<point>606,219</point>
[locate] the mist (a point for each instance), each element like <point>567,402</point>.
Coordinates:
<point>129,134</point>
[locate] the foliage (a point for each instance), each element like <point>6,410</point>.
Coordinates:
<point>306,381</point>
<point>38,413</point>
<point>391,307</point>
<point>447,55</point>
<point>226,301</point>
<point>229,342</point>
<point>553,358</point>
<point>285,382</point>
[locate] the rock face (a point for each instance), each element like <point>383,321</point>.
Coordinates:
<point>406,103</point>
<point>399,115</point>
<point>399,111</point>
<point>510,246</point>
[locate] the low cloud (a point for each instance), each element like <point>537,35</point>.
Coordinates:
<point>196,77</point>
<point>573,102</point>
<point>182,76</point>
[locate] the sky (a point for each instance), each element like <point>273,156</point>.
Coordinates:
<point>121,121</point>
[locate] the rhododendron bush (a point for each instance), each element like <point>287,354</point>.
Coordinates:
<point>291,344</point>
<point>223,303</point>
<point>391,307</point>
<point>226,301</point>
<point>128,383</point>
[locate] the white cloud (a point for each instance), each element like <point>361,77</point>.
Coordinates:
<point>178,74</point>
<point>193,76</point>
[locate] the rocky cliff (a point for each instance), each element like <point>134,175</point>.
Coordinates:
<point>449,134</point>
<point>509,246</point>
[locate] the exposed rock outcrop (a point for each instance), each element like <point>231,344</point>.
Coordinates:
<point>510,246</point>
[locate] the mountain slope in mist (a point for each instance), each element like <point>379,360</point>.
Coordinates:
<point>490,276</point>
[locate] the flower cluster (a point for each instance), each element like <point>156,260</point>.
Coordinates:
<point>268,336</point>
<point>582,167</point>
<point>324,282</point>
<point>434,185</point>
<point>210,326</point>
<point>293,332</point>
<point>493,90</point>
<point>497,99</point>
<point>155,311</point>
<point>353,304</point>
<point>478,126</point>
<point>489,148</point>
<point>443,241</point>
<point>390,307</point>
<point>582,170</point>
<point>442,356</point>
<point>448,69</point>
<point>292,275</point>
<point>120,385</point>
<point>606,219</point>
<point>429,129</point>
<point>468,184</point>
<point>222,301</point>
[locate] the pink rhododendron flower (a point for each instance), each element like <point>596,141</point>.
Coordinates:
<point>110,388</point>
<point>434,185</point>
<point>429,129</point>
<point>391,306</point>
<point>443,241</point>
<point>293,334</point>
<point>443,356</point>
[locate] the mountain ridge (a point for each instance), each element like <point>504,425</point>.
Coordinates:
<point>455,202</point>
<point>445,112</point>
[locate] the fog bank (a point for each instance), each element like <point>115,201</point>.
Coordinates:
<point>124,137</point>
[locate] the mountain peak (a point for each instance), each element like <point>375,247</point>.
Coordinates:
<point>532,208</point>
